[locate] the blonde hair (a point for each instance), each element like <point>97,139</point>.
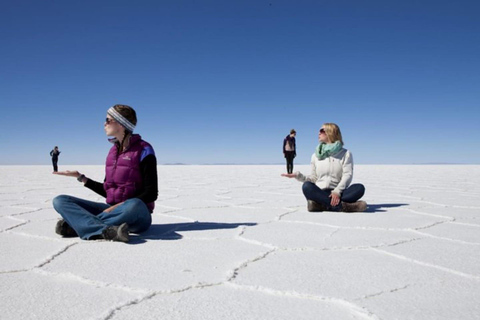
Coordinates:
<point>333,132</point>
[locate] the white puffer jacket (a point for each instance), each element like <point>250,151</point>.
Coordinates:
<point>334,172</point>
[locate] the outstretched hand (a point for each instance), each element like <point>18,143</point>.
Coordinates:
<point>68,173</point>
<point>288,175</point>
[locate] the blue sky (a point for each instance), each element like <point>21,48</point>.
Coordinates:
<point>225,81</point>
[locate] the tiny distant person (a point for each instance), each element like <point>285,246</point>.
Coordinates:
<point>130,187</point>
<point>328,187</point>
<point>54,154</point>
<point>290,149</point>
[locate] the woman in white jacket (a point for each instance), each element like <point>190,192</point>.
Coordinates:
<point>328,187</point>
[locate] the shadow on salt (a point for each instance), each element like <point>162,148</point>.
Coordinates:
<point>168,231</point>
<point>383,207</point>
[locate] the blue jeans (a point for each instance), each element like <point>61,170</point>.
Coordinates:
<point>88,218</point>
<point>352,194</point>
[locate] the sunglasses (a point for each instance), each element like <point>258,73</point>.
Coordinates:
<point>109,120</point>
<point>322,130</point>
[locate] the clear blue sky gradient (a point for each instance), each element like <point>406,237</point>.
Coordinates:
<point>225,81</point>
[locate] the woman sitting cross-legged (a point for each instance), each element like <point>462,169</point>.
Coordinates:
<point>328,187</point>
<point>130,187</point>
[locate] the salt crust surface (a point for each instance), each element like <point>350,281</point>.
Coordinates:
<point>236,242</point>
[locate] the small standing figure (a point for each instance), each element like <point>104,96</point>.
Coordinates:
<point>54,154</point>
<point>290,149</point>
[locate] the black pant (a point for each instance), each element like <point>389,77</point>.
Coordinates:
<point>55,167</point>
<point>352,194</point>
<point>289,155</point>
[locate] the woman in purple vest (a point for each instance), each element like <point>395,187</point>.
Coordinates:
<point>130,187</point>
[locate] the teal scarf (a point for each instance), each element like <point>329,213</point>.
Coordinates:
<point>325,150</point>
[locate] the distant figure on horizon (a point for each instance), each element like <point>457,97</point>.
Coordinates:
<point>290,149</point>
<point>130,186</point>
<point>328,187</point>
<point>54,154</point>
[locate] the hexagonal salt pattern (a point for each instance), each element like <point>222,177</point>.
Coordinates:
<point>236,242</point>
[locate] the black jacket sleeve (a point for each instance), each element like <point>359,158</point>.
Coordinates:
<point>294,147</point>
<point>95,186</point>
<point>148,169</point>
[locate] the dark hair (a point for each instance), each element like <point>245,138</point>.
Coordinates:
<point>130,114</point>
<point>127,111</point>
<point>293,131</point>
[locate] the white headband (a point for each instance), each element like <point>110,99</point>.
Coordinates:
<point>121,119</point>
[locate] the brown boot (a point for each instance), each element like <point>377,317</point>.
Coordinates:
<point>62,228</point>
<point>116,233</point>
<point>313,206</point>
<point>358,206</point>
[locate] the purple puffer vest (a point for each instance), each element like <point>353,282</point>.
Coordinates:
<point>122,172</point>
